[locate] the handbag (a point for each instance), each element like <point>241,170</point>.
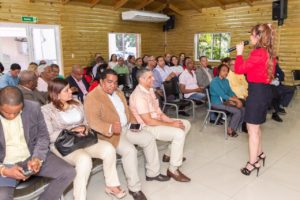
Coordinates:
<point>69,141</point>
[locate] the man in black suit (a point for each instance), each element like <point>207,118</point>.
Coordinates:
<point>24,142</point>
<point>77,82</point>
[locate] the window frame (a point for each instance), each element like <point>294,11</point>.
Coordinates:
<point>138,43</point>
<point>196,40</point>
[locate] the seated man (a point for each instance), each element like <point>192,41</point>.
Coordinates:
<point>237,82</point>
<point>223,98</point>
<point>24,143</point>
<point>28,84</point>
<point>203,73</point>
<point>123,72</point>
<point>188,83</point>
<point>11,77</point>
<point>145,107</point>
<point>110,117</point>
<point>77,82</point>
<point>282,94</point>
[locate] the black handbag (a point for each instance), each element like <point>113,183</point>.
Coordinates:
<point>69,141</point>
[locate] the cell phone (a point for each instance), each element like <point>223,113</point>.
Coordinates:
<point>26,171</point>
<point>135,127</point>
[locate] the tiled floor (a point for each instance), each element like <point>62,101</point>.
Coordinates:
<point>214,163</point>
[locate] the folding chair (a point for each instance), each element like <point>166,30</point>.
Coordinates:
<point>219,112</point>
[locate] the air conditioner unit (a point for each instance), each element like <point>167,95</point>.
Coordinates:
<point>144,16</point>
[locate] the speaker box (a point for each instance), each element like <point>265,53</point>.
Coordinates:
<point>279,10</point>
<point>170,24</point>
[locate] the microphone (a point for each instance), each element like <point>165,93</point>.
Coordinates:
<point>246,42</point>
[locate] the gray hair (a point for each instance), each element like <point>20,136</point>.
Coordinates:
<point>42,68</point>
<point>26,76</point>
<point>141,72</point>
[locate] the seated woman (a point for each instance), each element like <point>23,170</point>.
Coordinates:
<point>175,67</point>
<point>223,98</point>
<point>65,113</point>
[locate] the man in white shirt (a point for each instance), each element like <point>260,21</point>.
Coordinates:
<point>188,83</point>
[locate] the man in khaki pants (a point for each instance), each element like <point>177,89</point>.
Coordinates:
<point>145,107</point>
<point>107,112</point>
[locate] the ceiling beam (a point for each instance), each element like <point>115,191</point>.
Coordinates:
<point>160,8</point>
<point>65,1</point>
<point>143,4</point>
<point>94,3</point>
<point>220,3</point>
<point>175,9</point>
<point>119,4</point>
<point>194,5</point>
<point>249,2</point>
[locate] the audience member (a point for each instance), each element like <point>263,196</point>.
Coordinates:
<point>96,80</point>
<point>55,70</point>
<point>188,83</point>
<point>282,94</point>
<point>237,82</point>
<point>77,82</point>
<point>203,73</point>
<point>114,128</point>
<point>99,61</point>
<point>138,65</point>
<point>33,67</point>
<point>28,84</point>
<point>11,77</point>
<point>25,142</point>
<point>46,75</point>
<point>181,59</point>
<point>113,61</point>
<point>145,107</point>
<point>130,63</point>
<point>162,72</point>
<point>145,60</point>
<point>223,98</point>
<point>65,113</point>
<point>167,59</point>
<point>42,62</point>
<point>121,68</point>
<point>175,67</point>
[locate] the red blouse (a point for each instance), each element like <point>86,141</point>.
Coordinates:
<point>255,67</point>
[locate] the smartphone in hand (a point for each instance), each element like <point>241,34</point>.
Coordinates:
<point>135,127</point>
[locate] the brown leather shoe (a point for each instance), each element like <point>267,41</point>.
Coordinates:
<point>167,158</point>
<point>178,176</point>
<point>138,195</point>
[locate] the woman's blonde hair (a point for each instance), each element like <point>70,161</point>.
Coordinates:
<point>266,39</point>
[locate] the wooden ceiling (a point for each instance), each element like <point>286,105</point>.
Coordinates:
<point>176,6</point>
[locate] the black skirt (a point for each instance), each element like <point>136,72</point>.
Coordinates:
<point>257,103</point>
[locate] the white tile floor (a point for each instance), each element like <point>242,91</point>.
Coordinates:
<point>214,166</point>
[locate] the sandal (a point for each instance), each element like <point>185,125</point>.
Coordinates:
<point>247,171</point>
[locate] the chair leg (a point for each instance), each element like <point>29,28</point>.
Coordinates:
<point>226,125</point>
<point>205,119</point>
<point>177,111</point>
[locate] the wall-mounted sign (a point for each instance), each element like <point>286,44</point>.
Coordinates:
<point>29,19</point>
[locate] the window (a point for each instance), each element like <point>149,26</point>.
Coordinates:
<point>124,44</point>
<point>25,43</point>
<point>212,45</point>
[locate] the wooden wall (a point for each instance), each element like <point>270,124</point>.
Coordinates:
<point>84,30</point>
<point>238,21</point>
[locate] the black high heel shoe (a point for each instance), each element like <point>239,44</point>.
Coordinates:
<point>262,157</point>
<point>247,171</point>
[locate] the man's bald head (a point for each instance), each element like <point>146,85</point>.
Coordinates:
<point>77,72</point>
<point>11,95</point>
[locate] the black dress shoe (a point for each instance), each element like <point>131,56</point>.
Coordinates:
<point>160,178</point>
<point>138,195</point>
<point>276,117</point>
<point>167,158</point>
<point>281,111</point>
<point>183,113</point>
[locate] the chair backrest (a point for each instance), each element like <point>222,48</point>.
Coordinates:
<point>171,88</point>
<point>208,98</point>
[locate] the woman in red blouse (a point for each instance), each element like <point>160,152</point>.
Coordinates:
<point>259,69</point>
